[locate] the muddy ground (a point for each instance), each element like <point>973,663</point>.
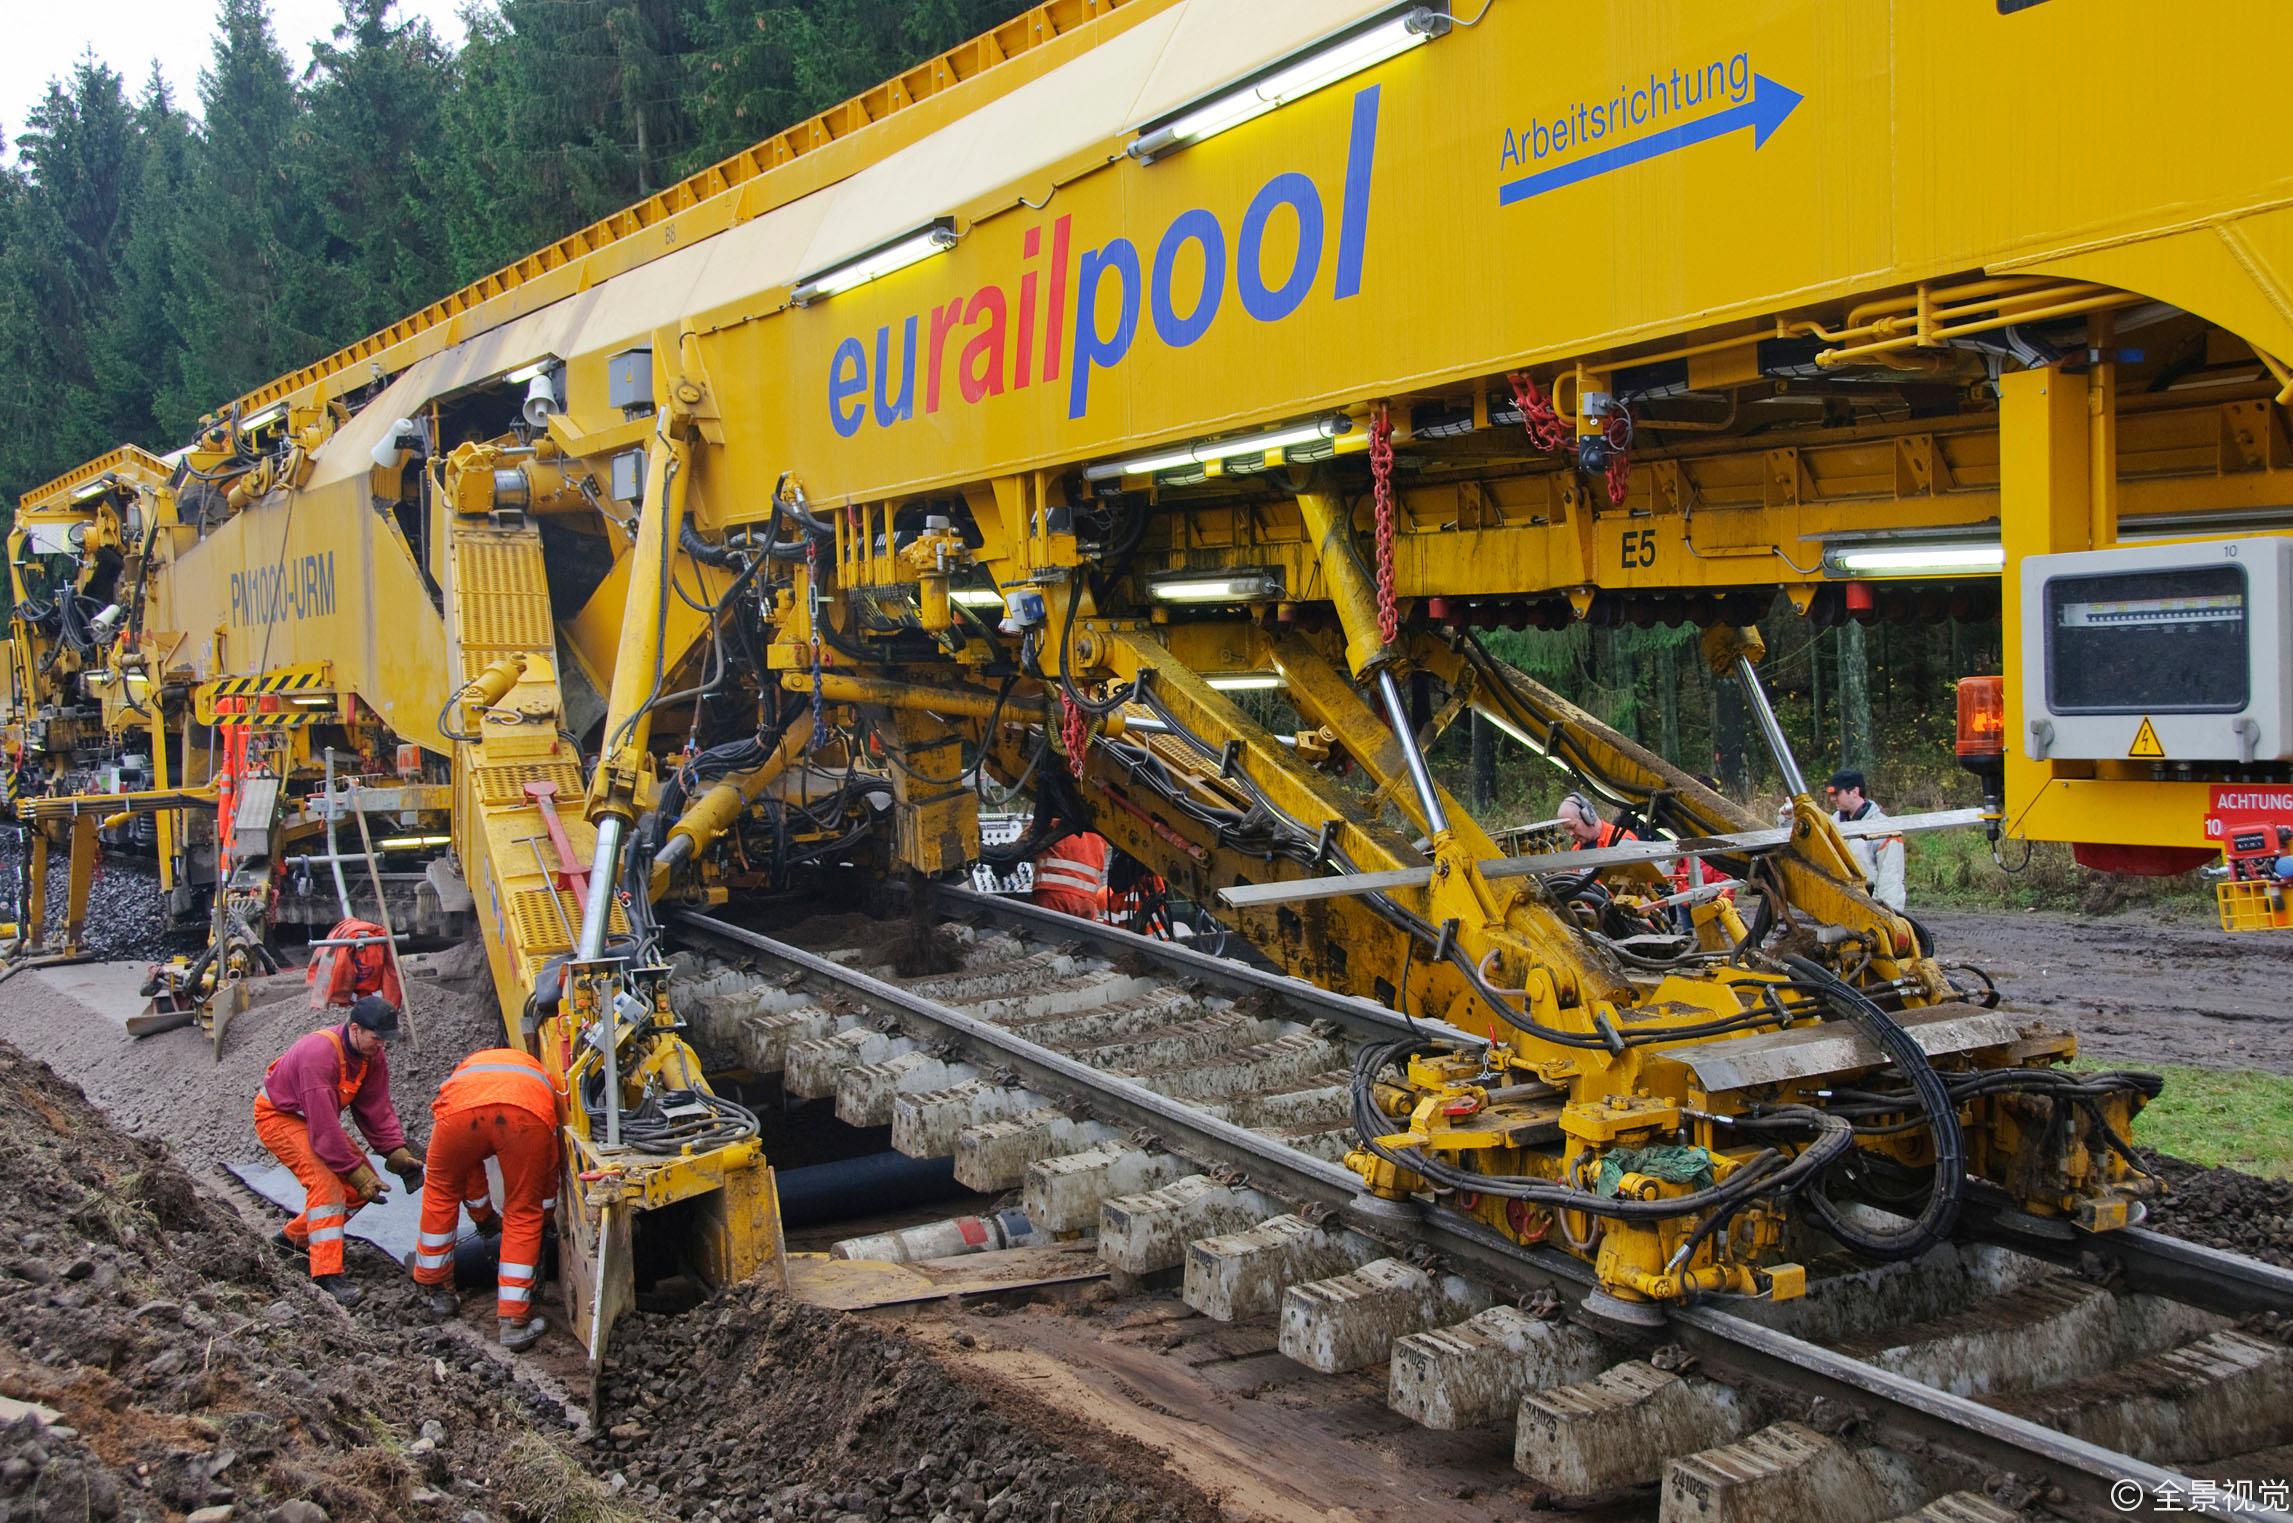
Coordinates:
<point>2137,990</point>
<point>186,1362</point>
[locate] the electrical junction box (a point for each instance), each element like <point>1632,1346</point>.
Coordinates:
<point>629,380</point>
<point>628,476</point>
<point>2164,653</point>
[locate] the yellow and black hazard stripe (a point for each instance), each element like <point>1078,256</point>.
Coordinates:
<point>287,679</point>
<point>285,719</point>
<point>302,683</point>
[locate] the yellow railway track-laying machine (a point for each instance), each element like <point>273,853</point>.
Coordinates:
<point>982,435</point>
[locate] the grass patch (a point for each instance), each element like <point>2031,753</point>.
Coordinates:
<point>2222,1119</point>
<point>540,1483</point>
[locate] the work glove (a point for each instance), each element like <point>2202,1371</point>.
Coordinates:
<point>406,1166</point>
<point>364,1183</point>
<point>490,1228</point>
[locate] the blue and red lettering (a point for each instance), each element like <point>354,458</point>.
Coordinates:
<point>1006,343</point>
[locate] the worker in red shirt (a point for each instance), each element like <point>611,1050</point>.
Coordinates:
<point>1587,830</point>
<point>496,1104</point>
<point>1072,876</point>
<point>298,1115</point>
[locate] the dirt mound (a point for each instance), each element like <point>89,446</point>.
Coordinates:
<point>755,1407</point>
<point>2222,1208</point>
<point>189,1363</point>
<point>193,1365</point>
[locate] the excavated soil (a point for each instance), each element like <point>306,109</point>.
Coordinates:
<point>2135,990</point>
<point>191,1364</point>
<point>2240,1213</point>
<point>840,1419</point>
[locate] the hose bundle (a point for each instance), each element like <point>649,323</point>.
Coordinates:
<point>1941,1210</point>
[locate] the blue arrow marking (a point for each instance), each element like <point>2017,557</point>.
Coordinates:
<point>1763,113</point>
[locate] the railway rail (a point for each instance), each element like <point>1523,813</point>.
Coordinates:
<point>1192,1112</point>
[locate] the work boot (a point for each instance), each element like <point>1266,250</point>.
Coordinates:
<point>519,1336</point>
<point>441,1302</point>
<point>286,1244</point>
<point>346,1295</point>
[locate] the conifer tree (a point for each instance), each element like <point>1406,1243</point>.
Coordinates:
<point>58,265</point>
<point>770,66</point>
<point>254,300</point>
<point>137,346</point>
<point>377,92</point>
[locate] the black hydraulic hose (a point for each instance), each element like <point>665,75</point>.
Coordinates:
<point>1934,1222</point>
<point>689,540</point>
<point>793,501</point>
<point>1095,706</point>
<point>1766,1173</point>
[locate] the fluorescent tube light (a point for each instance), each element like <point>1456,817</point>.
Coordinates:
<point>525,373</point>
<point>975,597</point>
<point>907,249</point>
<point>411,843</point>
<point>315,703</point>
<point>1247,682</point>
<point>1219,449</point>
<point>1370,43</point>
<point>1917,560</point>
<point>266,417</point>
<point>1242,587</point>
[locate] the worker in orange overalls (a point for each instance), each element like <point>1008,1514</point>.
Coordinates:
<point>496,1104</point>
<point>298,1115</point>
<point>1072,876</point>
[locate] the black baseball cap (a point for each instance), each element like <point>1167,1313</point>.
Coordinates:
<point>1847,777</point>
<point>376,1014</point>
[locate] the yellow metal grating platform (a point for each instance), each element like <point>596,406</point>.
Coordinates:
<point>504,784</point>
<point>502,597</point>
<point>540,928</point>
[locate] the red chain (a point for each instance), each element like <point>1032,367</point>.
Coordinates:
<point>1538,417</point>
<point>1619,431</point>
<point>1075,732</point>
<point>1381,477</point>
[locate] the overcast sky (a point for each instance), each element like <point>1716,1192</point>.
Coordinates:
<point>45,37</point>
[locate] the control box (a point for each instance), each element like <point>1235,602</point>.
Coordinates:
<point>2161,653</point>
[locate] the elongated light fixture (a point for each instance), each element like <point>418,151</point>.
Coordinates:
<point>1917,560</point>
<point>1220,449</point>
<point>1247,682</point>
<point>525,373</point>
<point>411,843</point>
<point>1361,46</point>
<point>263,419</point>
<point>975,597</point>
<point>1240,587</point>
<point>897,254</point>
